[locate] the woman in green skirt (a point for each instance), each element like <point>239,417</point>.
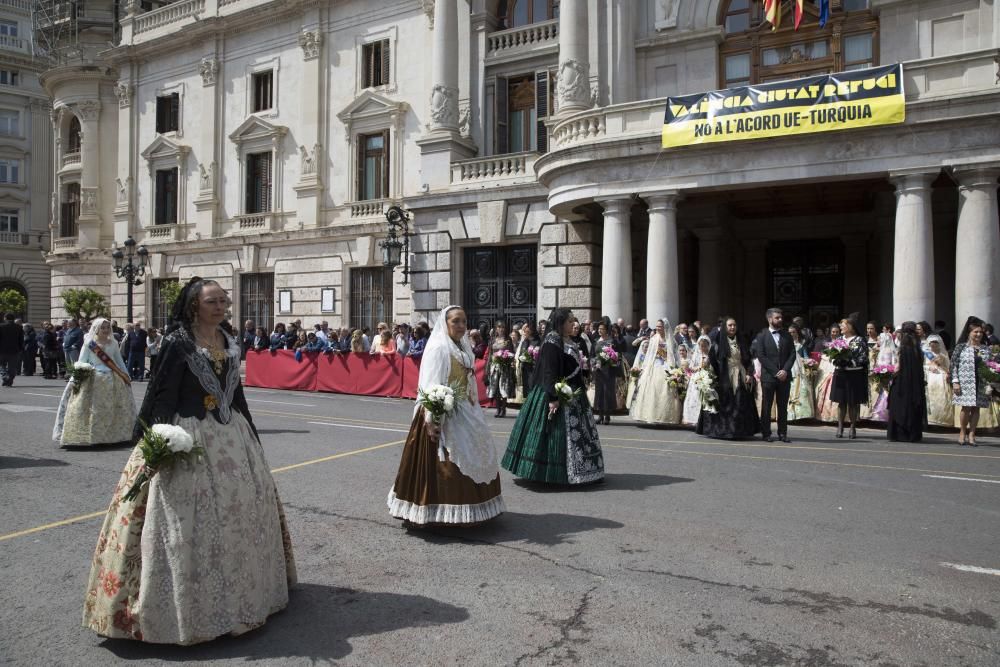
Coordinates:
<point>554,438</point>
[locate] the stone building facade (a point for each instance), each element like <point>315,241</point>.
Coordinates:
<point>523,137</point>
<point>25,162</point>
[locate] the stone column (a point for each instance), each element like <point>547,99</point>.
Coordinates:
<point>89,222</point>
<point>616,264</point>
<point>913,249</point>
<point>623,55</point>
<point>710,274</point>
<point>977,246</point>
<point>662,289</point>
<point>574,57</point>
<point>444,87</point>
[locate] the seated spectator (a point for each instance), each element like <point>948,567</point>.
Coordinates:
<point>332,341</point>
<point>366,340</point>
<point>261,340</point>
<point>314,343</point>
<point>278,337</point>
<point>417,342</point>
<point>301,340</point>
<point>357,341</point>
<point>384,344</point>
<point>402,338</point>
<point>318,330</point>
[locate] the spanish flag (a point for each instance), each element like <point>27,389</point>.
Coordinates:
<point>772,13</point>
<point>799,9</point>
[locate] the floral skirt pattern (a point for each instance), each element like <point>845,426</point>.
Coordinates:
<point>101,412</point>
<point>563,450</point>
<point>201,552</point>
<point>940,409</point>
<point>501,382</point>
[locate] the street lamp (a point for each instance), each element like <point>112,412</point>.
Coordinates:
<point>394,250</point>
<point>127,268</point>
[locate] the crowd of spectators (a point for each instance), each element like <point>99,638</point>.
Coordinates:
<point>387,339</point>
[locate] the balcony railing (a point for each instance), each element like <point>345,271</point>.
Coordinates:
<point>255,222</point>
<point>161,233</point>
<point>71,158</point>
<point>14,238</point>
<point>14,44</point>
<point>166,15</point>
<point>524,39</point>
<point>494,168</point>
<point>64,243</point>
<point>369,209</point>
<point>21,5</point>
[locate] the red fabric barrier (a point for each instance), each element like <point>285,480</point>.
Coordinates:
<point>279,370</point>
<point>360,374</point>
<point>344,373</point>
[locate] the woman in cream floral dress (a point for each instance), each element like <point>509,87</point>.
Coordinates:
<point>202,550</point>
<point>100,409</point>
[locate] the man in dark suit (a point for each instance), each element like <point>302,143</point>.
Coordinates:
<point>137,339</point>
<point>11,346</point>
<point>776,352</point>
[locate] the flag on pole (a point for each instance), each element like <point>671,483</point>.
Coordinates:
<point>772,11</point>
<point>799,9</point>
<point>824,12</point>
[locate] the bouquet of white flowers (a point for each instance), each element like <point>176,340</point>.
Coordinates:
<point>565,393</point>
<point>677,380</point>
<point>704,382</point>
<point>79,373</point>
<point>161,445</point>
<point>438,401</point>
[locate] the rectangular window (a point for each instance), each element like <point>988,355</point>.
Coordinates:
<point>166,197</point>
<point>70,211</point>
<point>858,51</point>
<point>263,91</point>
<point>376,63</point>
<point>259,180</point>
<point>257,299</point>
<point>9,77</point>
<point>8,219</point>
<point>161,310</point>
<point>737,69</point>
<point>9,122</point>
<point>168,113</point>
<point>855,5</point>
<point>10,171</point>
<point>373,166</point>
<point>8,28</point>
<point>371,297</point>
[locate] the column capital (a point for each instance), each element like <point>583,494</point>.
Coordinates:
<point>912,180</point>
<point>615,205</point>
<point>664,199</point>
<point>976,175</point>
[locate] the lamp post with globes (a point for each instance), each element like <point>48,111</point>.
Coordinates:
<point>394,250</point>
<point>130,268</point>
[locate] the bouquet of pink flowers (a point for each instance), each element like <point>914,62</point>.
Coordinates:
<point>989,374</point>
<point>810,367</point>
<point>677,380</point>
<point>837,350</point>
<point>530,355</point>
<point>884,373</point>
<point>608,356</point>
<point>503,357</point>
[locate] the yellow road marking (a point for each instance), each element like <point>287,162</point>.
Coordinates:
<point>94,515</point>
<point>664,452</point>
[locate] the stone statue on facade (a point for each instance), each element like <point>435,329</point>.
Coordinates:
<point>122,190</point>
<point>444,106</point>
<point>208,69</point>
<point>207,177</point>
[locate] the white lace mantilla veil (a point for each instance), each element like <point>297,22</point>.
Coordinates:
<point>934,338</point>
<point>887,350</point>
<point>464,433</point>
<point>92,333</point>
<point>653,346</point>
<point>696,357</point>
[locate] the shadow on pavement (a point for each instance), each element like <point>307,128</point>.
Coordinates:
<point>612,482</point>
<point>280,431</point>
<point>21,462</point>
<point>318,624</point>
<point>541,529</point>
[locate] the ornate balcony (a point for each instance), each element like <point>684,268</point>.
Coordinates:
<point>493,170</point>
<point>14,238</point>
<point>71,158</point>
<point>525,40</point>
<point>64,244</point>
<point>166,233</point>
<point>372,208</point>
<point>15,44</point>
<point>172,13</point>
<point>254,222</point>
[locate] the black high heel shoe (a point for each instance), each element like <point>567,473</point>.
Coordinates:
<point>840,432</point>
<point>854,434</point>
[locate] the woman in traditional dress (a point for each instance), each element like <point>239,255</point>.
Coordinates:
<point>554,438</point>
<point>850,379</point>
<point>968,388</point>
<point>99,410</point>
<point>940,408</point>
<point>826,410</point>
<point>499,371</point>
<point>698,360</point>
<point>656,399</point>
<point>622,383</point>
<point>202,550</point>
<point>885,353</point>
<point>907,398</point>
<point>736,417</point>
<point>802,392</point>
<point>605,375</point>
<point>525,369</point>
<point>448,472</point>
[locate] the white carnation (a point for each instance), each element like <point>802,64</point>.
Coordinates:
<point>449,403</point>
<point>178,440</point>
<point>83,365</point>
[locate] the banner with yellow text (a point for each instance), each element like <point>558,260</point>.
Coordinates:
<point>824,103</point>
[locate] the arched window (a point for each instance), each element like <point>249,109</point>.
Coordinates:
<point>517,13</point>
<point>753,53</point>
<point>73,137</point>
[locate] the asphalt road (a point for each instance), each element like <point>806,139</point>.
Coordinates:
<point>694,552</point>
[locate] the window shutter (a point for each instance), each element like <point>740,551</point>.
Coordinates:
<point>385,62</point>
<point>385,163</point>
<point>501,141</point>
<point>360,167</point>
<point>266,182</point>
<point>175,112</point>
<point>541,110</point>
